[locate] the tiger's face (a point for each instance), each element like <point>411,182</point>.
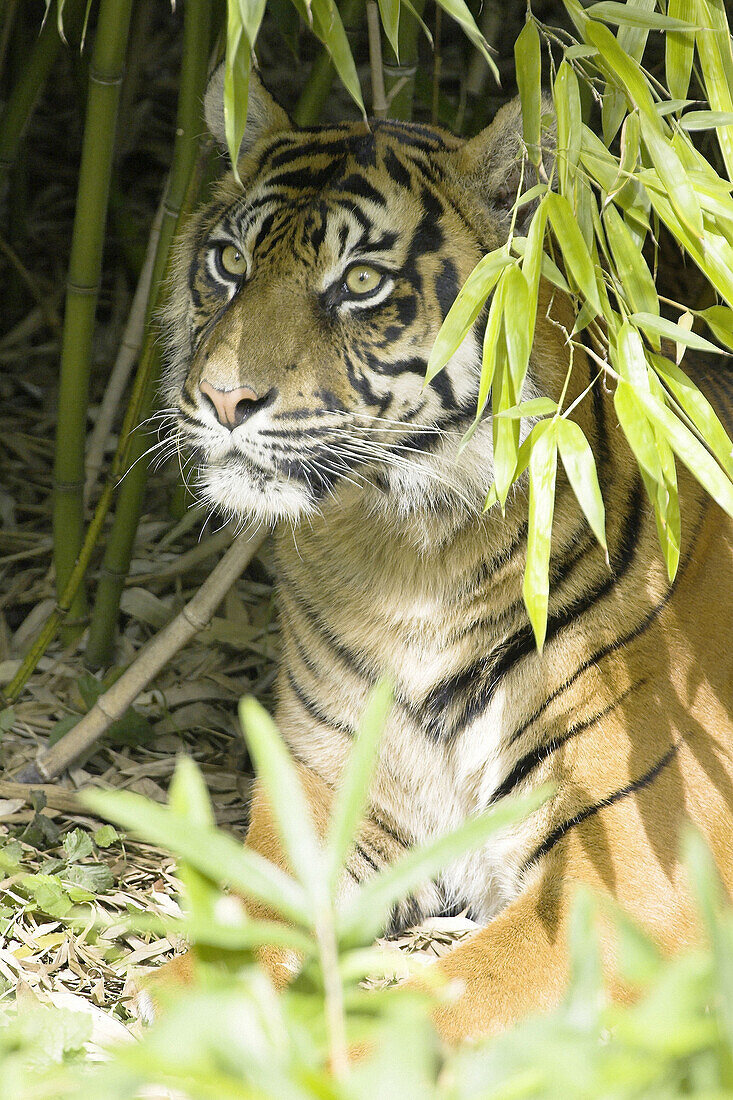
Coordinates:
<point>305,307</point>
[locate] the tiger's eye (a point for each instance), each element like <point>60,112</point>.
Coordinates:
<point>363,279</point>
<point>233,261</point>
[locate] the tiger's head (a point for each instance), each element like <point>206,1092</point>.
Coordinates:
<point>305,304</point>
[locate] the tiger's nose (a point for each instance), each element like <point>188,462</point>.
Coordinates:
<point>232,407</point>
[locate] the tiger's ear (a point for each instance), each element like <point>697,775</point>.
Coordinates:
<point>491,162</point>
<point>264,114</point>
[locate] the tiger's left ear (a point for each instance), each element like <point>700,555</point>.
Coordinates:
<point>491,162</point>
<point>264,113</point>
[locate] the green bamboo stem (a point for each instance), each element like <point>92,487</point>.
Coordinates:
<point>118,550</point>
<point>85,267</point>
<point>399,75</point>
<point>313,98</point>
<point>27,89</point>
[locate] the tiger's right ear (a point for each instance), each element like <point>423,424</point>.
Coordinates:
<point>264,114</point>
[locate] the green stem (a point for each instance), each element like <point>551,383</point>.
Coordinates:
<point>85,267</point>
<point>400,75</point>
<point>119,545</point>
<point>27,89</point>
<point>318,85</point>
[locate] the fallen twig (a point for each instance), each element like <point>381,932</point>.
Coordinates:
<point>152,657</point>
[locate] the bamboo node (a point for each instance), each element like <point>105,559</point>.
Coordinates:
<point>67,486</point>
<point>406,71</point>
<point>81,288</point>
<point>107,81</point>
<point>194,620</point>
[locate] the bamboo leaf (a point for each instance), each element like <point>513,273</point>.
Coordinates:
<point>364,915</point>
<point>706,120</point>
<point>628,15</point>
<point>466,308</point>
<point>580,466</point>
<point>632,40</point>
<point>389,11</point>
<point>673,176</point>
<point>698,408</point>
<point>537,406</point>
<point>236,84</point>
<point>536,585</point>
<point>635,277</point>
<point>574,249</point>
<point>720,320</point>
<point>660,326</point>
<point>458,10</point>
<point>516,296</point>
<point>679,49</point>
<point>286,798</point>
<point>690,451</point>
<point>353,792</point>
<point>638,432</point>
<point>623,67</point>
<point>528,71</point>
<point>251,13</point>
<point>324,19</point>
<point>209,851</point>
<point>532,262</point>
<point>566,95</point>
<point>716,60</point>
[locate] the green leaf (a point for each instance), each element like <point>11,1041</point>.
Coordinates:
<point>632,40</point>
<point>236,83</point>
<point>189,798</point>
<point>660,326</point>
<point>536,586</point>
<point>77,845</point>
<point>628,15</point>
<point>673,176</point>
<point>7,719</point>
<point>574,249</point>
<point>363,915</point>
<point>635,277</point>
<point>638,431</point>
<point>389,11</point>
<point>566,95</point>
<point>622,66</point>
<point>211,852</point>
<point>251,13</point>
<point>285,795</point>
<point>324,19</point>
<point>580,466</point>
<point>466,308</point>
<point>528,73</point>
<point>689,450</point>
<point>96,878</point>
<point>679,49</point>
<point>720,320</point>
<point>716,61</point>
<point>706,120</point>
<point>48,893</point>
<point>458,10</point>
<point>353,791</point>
<point>106,836</point>
<point>537,406</point>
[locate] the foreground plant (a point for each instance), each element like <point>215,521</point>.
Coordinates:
<point>232,1035</point>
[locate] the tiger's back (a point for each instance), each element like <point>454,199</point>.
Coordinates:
<point>296,367</point>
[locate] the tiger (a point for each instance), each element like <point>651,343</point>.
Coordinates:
<point>306,297</point>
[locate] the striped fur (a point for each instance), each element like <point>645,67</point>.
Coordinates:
<point>386,563</point>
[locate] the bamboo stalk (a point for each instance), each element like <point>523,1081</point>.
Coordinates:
<point>313,98</point>
<point>399,75</point>
<point>110,706</point>
<point>129,350</point>
<point>27,89</point>
<point>85,267</point>
<point>374,27</point>
<point>196,29</point>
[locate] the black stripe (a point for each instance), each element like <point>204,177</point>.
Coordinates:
<point>539,753</point>
<point>643,781</point>
<point>491,668</point>
<point>313,709</point>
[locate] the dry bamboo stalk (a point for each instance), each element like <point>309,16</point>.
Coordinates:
<point>152,657</point>
<point>57,798</point>
<point>379,99</point>
<point>127,355</point>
